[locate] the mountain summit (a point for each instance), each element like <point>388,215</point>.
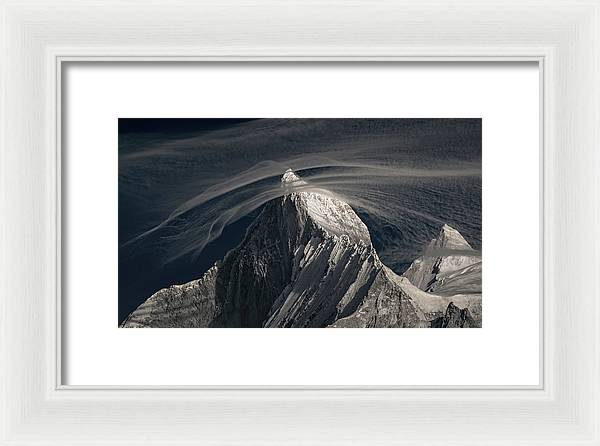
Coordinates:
<point>327,212</point>
<point>290,177</point>
<point>307,261</point>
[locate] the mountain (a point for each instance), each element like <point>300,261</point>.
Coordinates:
<point>449,265</point>
<point>307,261</point>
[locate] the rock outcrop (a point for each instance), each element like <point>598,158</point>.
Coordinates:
<point>454,318</point>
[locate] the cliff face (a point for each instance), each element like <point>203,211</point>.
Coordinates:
<point>306,261</point>
<point>454,318</point>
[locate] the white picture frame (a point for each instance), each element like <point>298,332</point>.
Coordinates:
<point>37,38</point>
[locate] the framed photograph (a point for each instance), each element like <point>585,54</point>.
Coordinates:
<point>296,254</point>
<point>300,223</point>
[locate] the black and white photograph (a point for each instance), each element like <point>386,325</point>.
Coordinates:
<point>300,223</point>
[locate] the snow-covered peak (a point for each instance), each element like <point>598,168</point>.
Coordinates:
<point>450,238</point>
<point>445,255</point>
<point>329,212</point>
<point>290,177</point>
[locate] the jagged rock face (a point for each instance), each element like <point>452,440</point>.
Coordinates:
<point>254,274</point>
<point>330,275</point>
<point>303,261</point>
<point>454,318</point>
<point>306,261</point>
<point>386,304</point>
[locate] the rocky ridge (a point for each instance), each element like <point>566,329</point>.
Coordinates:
<point>307,261</point>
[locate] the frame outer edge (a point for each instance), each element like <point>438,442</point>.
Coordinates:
<point>21,404</point>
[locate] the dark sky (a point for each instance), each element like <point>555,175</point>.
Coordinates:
<point>173,127</point>
<point>404,177</point>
